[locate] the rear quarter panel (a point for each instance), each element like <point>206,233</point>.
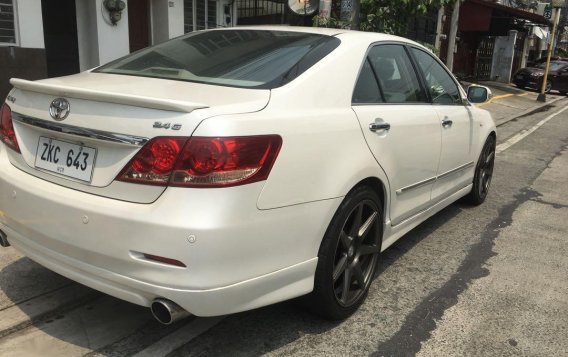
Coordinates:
<point>324,153</point>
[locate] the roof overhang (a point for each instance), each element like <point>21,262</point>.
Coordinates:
<point>486,16</point>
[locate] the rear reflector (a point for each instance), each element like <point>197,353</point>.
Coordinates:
<point>203,161</point>
<point>7,132</point>
<point>164,260</point>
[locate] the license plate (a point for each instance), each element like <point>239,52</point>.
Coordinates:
<point>64,158</point>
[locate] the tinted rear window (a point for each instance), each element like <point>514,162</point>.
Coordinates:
<point>237,58</point>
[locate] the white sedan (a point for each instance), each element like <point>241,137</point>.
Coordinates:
<point>235,168</point>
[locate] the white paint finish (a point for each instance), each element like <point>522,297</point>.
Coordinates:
<point>30,23</point>
<point>408,152</point>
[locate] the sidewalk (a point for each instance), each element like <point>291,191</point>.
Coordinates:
<point>509,102</point>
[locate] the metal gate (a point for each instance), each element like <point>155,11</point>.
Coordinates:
<point>484,58</point>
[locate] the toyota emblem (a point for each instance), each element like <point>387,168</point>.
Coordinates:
<point>59,109</point>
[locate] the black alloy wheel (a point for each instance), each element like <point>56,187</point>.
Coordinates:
<point>483,172</point>
<point>348,256</point>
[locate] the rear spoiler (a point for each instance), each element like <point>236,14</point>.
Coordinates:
<point>107,97</point>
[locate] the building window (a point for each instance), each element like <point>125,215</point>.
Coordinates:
<point>7,23</point>
<point>199,15</point>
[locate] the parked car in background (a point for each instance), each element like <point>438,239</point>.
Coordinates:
<point>532,77</point>
<point>230,169</point>
<point>543,60</point>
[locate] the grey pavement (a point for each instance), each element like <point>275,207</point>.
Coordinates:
<point>510,102</point>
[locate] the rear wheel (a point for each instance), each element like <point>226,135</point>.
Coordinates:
<point>348,256</point>
<point>548,86</point>
<point>483,173</point>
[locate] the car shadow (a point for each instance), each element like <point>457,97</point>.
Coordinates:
<point>268,329</point>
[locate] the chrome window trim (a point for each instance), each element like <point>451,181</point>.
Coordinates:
<point>117,138</point>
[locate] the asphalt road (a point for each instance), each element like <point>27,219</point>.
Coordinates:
<point>482,281</point>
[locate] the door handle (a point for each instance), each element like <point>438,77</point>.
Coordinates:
<point>446,123</point>
<point>379,126</point>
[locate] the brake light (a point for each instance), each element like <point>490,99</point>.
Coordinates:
<point>153,164</point>
<point>223,162</point>
<point>7,132</point>
<point>203,161</point>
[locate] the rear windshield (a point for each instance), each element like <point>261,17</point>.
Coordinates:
<point>554,66</point>
<point>237,58</point>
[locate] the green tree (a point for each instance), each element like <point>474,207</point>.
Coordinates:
<point>389,16</point>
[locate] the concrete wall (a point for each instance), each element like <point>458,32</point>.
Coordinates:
<point>99,41</point>
<point>30,24</point>
<point>503,57</point>
<point>167,19</point>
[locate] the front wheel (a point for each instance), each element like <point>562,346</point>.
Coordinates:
<point>348,256</point>
<point>548,86</point>
<point>483,173</point>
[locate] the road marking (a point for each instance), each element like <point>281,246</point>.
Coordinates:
<point>495,98</point>
<point>180,337</point>
<point>523,134</point>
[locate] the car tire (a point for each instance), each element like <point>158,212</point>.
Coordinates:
<point>483,173</point>
<point>548,87</point>
<point>348,256</point>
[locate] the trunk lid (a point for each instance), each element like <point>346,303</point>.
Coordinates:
<point>111,117</point>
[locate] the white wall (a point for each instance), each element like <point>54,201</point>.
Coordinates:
<point>113,40</point>
<point>99,41</point>
<point>175,17</point>
<point>86,30</point>
<point>30,23</point>
<point>167,19</point>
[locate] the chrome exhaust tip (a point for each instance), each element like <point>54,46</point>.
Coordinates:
<point>167,312</point>
<point>4,240</point>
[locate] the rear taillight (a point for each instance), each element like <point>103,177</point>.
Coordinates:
<point>154,163</point>
<point>203,161</point>
<point>7,133</point>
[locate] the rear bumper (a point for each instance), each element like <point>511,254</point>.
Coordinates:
<point>241,258</point>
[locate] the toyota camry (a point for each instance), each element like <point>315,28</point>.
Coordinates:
<point>230,169</point>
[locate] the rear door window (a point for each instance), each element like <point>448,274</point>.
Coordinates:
<point>443,89</point>
<point>397,78</point>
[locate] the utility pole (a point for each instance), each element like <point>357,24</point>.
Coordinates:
<point>542,96</point>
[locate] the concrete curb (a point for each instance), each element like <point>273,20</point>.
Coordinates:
<point>526,111</point>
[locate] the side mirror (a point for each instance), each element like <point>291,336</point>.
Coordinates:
<point>478,94</point>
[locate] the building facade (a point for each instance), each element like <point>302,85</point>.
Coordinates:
<point>50,38</point>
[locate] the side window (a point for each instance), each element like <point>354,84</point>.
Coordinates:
<point>367,89</point>
<point>442,87</point>
<point>396,75</point>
